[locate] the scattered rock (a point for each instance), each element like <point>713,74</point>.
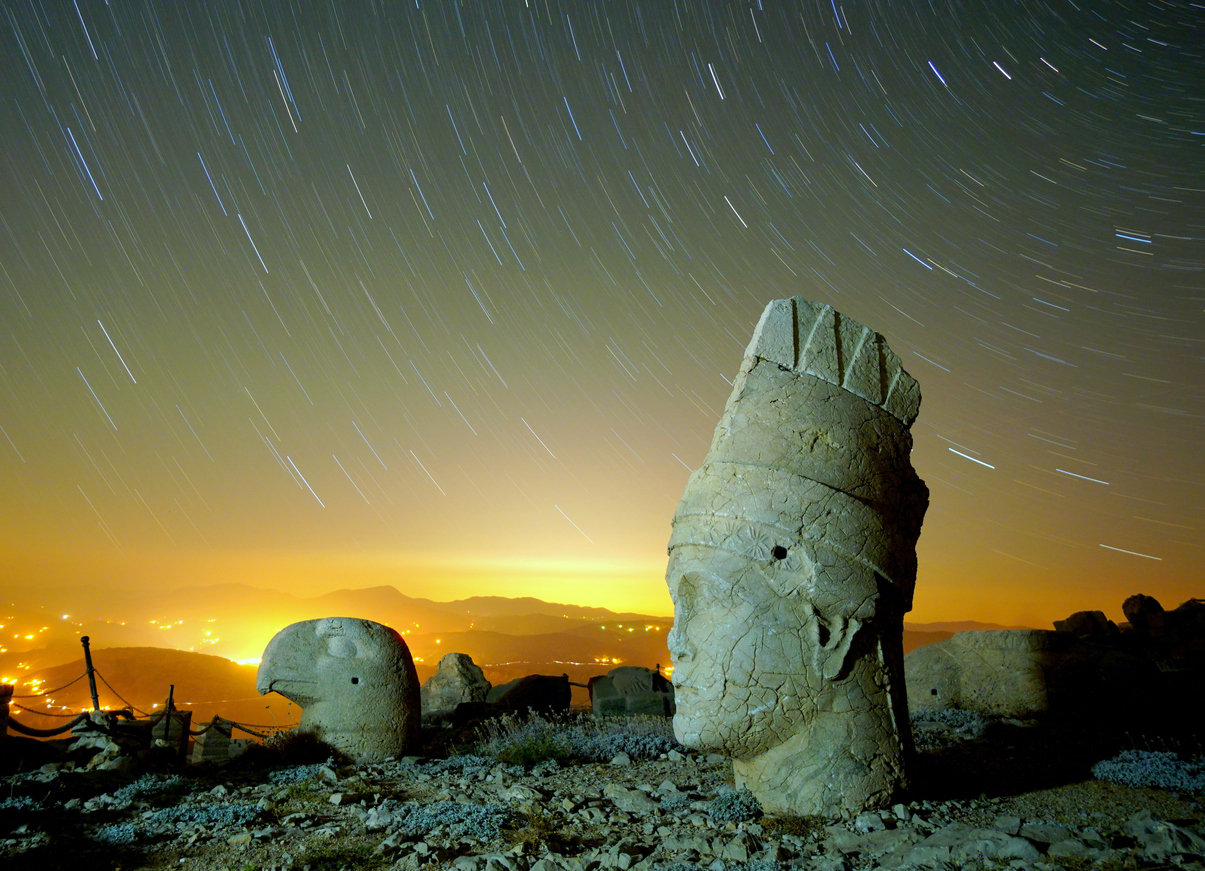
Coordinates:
<point>630,800</point>
<point>651,815</point>
<point>457,680</point>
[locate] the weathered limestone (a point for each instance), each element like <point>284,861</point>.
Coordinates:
<point>792,563</point>
<point>629,690</point>
<point>1026,673</point>
<point>354,680</point>
<point>457,679</point>
<point>216,744</point>
<point>996,672</point>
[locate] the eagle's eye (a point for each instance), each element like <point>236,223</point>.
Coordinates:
<point>341,647</point>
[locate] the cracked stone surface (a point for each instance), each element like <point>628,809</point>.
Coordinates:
<point>792,562</point>
<point>354,681</point>
<point>457,679</point>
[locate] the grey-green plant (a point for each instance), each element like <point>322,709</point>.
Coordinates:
<point>1147,768</point>
<point>735,806</point>
<point>535,739</point>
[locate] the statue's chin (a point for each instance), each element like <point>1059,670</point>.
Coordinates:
<point>687,734</point>
<point>700,734</point>
<point>739,741</point>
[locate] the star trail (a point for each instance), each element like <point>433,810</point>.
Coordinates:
<point>445,295</point>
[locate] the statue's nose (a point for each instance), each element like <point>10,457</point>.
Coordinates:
<point>680,649</point>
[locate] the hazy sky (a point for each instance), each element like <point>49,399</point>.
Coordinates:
<point>446,295</point>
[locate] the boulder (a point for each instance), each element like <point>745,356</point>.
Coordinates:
<point>457,679</point>
<point>535,692</point>
<point>1088,624</point>
<point>631,689</point>
<point>1145,615</point>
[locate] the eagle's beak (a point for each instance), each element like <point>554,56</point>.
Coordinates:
<point>287,666</point>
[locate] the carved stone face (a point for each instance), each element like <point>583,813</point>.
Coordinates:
<point>752,666</point>
<point>792,561</point>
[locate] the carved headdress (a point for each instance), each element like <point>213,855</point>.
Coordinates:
<point>798,473</point>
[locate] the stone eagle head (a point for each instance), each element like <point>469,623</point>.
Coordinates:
<point>354,680</point>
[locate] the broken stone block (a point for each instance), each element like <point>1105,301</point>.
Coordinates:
<point>631,689</point>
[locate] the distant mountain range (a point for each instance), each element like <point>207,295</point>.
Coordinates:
<point>238,620</point>
<point>141,643</point>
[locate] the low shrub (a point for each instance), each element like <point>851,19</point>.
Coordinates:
<point>115,834</point>
<point>290,747</point>
<point>676,803</point>
<point>296,773</point>
<point>1146,768</point>
<point>526,742</point>
<point>537,831</point>
<point>210,816</point>
<point>967,723</point>
<point>152,786</point>
<point>481,821</point>
<point>809,828</point>
<point>736,806</point>
<point>536,740</point>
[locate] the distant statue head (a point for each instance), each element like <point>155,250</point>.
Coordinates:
<point>792,562</point>
<point>354,680</point>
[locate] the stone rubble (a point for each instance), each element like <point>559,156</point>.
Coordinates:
<point>650,814</point>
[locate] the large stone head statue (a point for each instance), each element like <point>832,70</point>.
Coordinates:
<point>354,680</point>
<point>791,564</point>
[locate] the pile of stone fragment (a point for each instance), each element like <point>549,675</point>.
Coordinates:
<point>673,813</point>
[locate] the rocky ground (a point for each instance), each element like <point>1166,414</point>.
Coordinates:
<point>995,795</point>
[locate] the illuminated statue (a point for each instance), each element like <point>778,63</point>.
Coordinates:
<point>354,680</point>
<point>792,563</point>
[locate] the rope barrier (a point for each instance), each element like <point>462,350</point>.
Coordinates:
<point>116,693</point>
<point>243,728</point>
<point>225,727</point>
<point>45,733</point>
<point>41,713</point>
<point>48,692</point>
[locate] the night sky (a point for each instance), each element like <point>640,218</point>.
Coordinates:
<point>447,295</point>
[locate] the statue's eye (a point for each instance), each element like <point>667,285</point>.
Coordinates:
<point>355,680</point>
<point>778,552</point>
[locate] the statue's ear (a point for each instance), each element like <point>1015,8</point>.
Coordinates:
<point>831,641</point>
